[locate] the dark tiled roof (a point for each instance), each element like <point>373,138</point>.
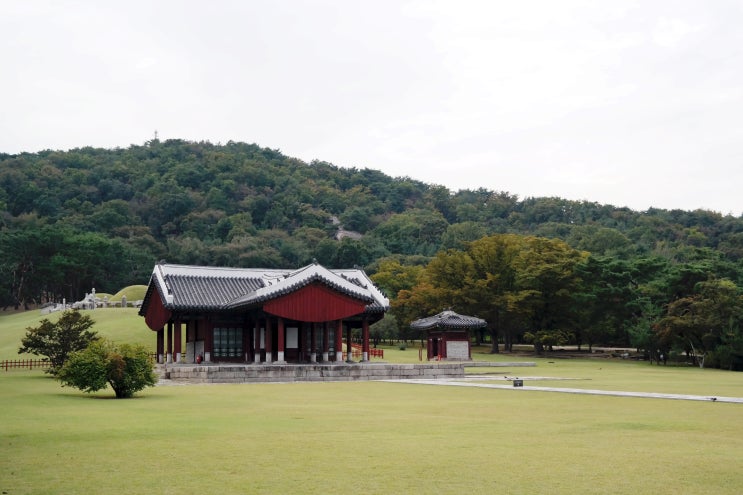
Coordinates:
<point>183,287</point>
<point>208,292</point>
<point>448,319</point>
<point>302,278</point>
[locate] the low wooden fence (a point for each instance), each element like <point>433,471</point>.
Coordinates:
<point>357,352</point>
<point>12,364</point>
<point>354,353</point>
<point>29,364</point>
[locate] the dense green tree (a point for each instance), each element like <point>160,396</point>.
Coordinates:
<point>600,241</point>
<point>386,328</point>
<point>546,272</point>
<point>57,341</point>
<point>697,323</point>
<point>604,300</point>
<point>642,331</point>
<point>351,253</point>
<point>412,232</point>
<point>357,218</point>
<point>125,368</point>
<point>459,234</point>
<point>495,287</point>
<point>392,276</point>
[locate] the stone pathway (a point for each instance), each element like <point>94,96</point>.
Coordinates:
<point>614,393</point>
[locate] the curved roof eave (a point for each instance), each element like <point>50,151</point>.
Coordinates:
<point>302,278</point>
<point>448,319</point>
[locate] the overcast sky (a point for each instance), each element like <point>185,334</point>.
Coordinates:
<point>627,103</point>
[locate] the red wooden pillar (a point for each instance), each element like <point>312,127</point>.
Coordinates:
<point>339,340</point>
<point>269,348</point>
<point>160,345</point>
<point>325,341</point>
<point>257,338</point>
<point>169,358</point>
<point>365,339</point>
<point>178,335</point>
<point>281,340</point>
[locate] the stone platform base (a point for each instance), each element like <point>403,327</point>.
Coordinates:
<point>245,373</point>
<point>255,373</point>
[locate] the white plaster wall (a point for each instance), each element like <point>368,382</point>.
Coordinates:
<point>457,349</point>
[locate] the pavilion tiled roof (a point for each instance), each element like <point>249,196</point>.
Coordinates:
<point>185,287</point>
<point>300,278</point>
<point>448,319</point>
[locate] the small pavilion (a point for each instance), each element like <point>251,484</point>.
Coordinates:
<point>249,315</point>
<point>448,334</point>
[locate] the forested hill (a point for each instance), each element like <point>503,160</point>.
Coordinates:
<point>102,217</point>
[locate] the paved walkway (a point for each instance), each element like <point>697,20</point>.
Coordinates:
<point>614,393</point>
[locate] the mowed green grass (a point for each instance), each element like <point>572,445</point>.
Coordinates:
<point>618,375</point>
<point>367,437</point>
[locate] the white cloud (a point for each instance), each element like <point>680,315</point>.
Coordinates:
<point>669,33</point>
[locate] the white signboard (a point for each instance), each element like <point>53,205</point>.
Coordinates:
<point>457,349</point>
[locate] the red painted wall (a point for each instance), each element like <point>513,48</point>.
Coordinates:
<point>157,316</point>
<point>315,303</point>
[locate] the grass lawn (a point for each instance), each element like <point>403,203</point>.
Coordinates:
<point>370,437</point>
<point>118,324</point>
<point>610,374</point>
<point>364,437</point>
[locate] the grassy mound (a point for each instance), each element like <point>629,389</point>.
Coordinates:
<point>132,293</point>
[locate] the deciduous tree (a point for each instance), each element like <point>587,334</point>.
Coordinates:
<point>126,368</point>
<point>57,341</point>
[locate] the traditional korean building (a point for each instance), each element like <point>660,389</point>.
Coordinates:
<point>259,315</point>
<point>448,334</point>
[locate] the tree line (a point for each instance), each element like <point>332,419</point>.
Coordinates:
<point>89,217</point>
<point>543,292</point>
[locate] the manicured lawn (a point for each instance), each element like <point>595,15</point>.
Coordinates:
<point>365,437</point>
<point>370,437</point>
<point>610,374</point>
<point>118,324</point>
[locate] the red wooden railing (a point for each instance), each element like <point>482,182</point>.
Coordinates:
<point>357,352</point>
<point>354,353</point>
<point>30,364</point>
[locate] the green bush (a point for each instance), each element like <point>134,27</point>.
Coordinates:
<point>126,368</point>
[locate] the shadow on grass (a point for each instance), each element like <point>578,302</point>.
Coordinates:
<point>72,393</point>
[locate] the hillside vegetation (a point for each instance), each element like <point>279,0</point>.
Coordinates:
<point>84,218</point>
